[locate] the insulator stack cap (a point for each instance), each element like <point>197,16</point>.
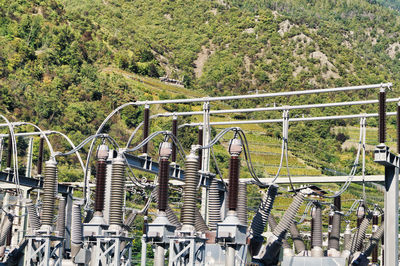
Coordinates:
<point>102,152</point>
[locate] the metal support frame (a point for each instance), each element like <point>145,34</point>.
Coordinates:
<point>42,253</point>
<point>186,251</point>
<point>391,222</point>
<point>112,251</point>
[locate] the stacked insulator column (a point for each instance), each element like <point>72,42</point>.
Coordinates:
<point>234,164</point>
<point>360,218</point>
<point>60,227</point>
<point>347,240</point>
<point>200,224</point>
<point>101,171</point>
<point>49,193</point>
<point>242,203</point>
<point>214,205</point>
<point>163,176</point>
<point>40,157</point>
<point>117,191</point>
<point>190,191</point>
<point>398,127</point>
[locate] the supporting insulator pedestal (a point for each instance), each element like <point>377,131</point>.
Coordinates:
<point>242,203</point>
<point>117,192</point>
<point>34,220</point>
<point>316,241</point>
<point>214,205</point>
<point>163,185</point>
<point>190,191</point>
<point>297,239</point>
<point>76,229</point>
<point>49,194</point>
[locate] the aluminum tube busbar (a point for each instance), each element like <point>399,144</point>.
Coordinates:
<point>275,108</point>
<point>265,95</point>
<point>300,119</point>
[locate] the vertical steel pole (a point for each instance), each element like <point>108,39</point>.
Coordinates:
<point>175,133</point>
<point>1,150</point>
<point>29,159</point>
<point>391,215</point>
<point>205,164</point>
<point>146,122</point>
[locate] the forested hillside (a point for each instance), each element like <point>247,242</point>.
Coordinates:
<point>65,64</point>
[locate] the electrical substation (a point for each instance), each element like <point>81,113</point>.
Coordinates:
<point>47,222</point>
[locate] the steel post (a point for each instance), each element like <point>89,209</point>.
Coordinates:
<point>391,222</point>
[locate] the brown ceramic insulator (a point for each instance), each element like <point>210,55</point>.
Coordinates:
<point>101,170</point>
<point>398,128</point>
<point>382,117</point>
<point>146,124</point>
<point>40,157</point>
<point>234,164</point>
<point>375,220</point>
<point>163,185</point>
<point>175,133</point>
<point>200,142</point>
<point>338,203</point>
<point>9,151</point>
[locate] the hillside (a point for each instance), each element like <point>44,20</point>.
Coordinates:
<point>67,64</point>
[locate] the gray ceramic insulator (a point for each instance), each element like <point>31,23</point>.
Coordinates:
<point>200,224</point>
<point>7,224</point>
<point>242,203</point>
<point>360,234</point>
<point>190,189</point>
<point>214,205</point>
<point>296,237</point>
<point>34,220</point>
<point>261,217</point>
<point>316,240</point>
<point>76,225</point>
<point>117,191</point>
<point>272,224</point>
<point>60,226</point>
<point>288,216</point>
<point>334,237</point>
<point>49,192</point>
